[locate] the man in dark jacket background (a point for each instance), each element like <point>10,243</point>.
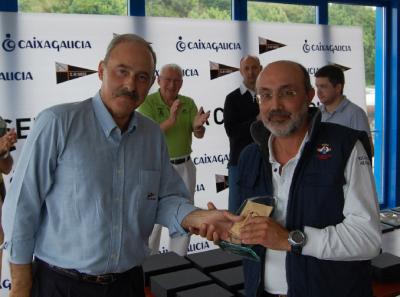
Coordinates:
<point>325,226</point>
<point>240,110</point>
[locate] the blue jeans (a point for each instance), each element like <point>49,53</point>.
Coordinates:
<point>234,199</point>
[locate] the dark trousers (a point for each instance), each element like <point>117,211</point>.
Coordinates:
<point>233,198</point>
<point>266,294</point>
<point>49,283</point>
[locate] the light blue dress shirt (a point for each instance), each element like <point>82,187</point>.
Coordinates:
<point>85,196</point>
<point>347,114</point>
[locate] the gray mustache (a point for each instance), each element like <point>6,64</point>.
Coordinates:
<point>124,92</point>
<point>278,113</point>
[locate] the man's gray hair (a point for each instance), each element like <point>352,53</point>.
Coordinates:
<point>172,66</point>
<point>129,37</point>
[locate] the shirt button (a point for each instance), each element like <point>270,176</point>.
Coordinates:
<point>276,169</point>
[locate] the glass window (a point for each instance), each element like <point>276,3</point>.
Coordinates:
<point>110,7</point>
<point>195,9</point>
<point>365,17</point>
<point>282,13</point>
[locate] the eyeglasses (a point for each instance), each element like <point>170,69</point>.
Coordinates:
<point>268,95</point>
<point>169,80</point>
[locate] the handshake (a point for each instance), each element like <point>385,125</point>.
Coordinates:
<point>252,207</point>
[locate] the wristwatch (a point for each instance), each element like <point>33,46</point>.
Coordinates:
<point>297,240</point>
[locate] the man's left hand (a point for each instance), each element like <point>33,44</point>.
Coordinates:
<point>200,119</point>
<point>265,231</point>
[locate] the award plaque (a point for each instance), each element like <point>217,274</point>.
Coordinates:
<point>251,207</point>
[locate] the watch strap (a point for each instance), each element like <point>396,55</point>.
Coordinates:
<point>296,249</point>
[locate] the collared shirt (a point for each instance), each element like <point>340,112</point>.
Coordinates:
<point>179,136</point>
<point>240,111</point>
<point>347,114</point>
<point>86,196</point>
<point>244,89</point>
<point>333,242</point>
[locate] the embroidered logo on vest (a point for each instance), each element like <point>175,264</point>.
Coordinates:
<point>151,196</point>
<point>323,151</point>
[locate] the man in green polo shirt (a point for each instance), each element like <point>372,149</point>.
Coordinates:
<point>7,141</point>
<point>178,118</point>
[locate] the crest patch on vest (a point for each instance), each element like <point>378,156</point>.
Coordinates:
<point>151,196</point>
<point>323,151</point>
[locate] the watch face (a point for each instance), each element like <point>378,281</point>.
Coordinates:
<point>297,240</point>
<point>298,237</point>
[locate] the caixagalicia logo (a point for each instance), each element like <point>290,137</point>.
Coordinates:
<point>183,45</point>
<point>312,70</point>
<point>15,75</point>
<point>309,47</point>
<point>10,44</point>
<point>186,72</point>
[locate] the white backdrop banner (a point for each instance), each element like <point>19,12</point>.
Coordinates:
<point>48,59</point>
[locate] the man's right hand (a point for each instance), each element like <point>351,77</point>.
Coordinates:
<point>173,115</point>
<point>7,141</point>
<point>21,280</point>
<point>212,224</point>
<point>173,111</point>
